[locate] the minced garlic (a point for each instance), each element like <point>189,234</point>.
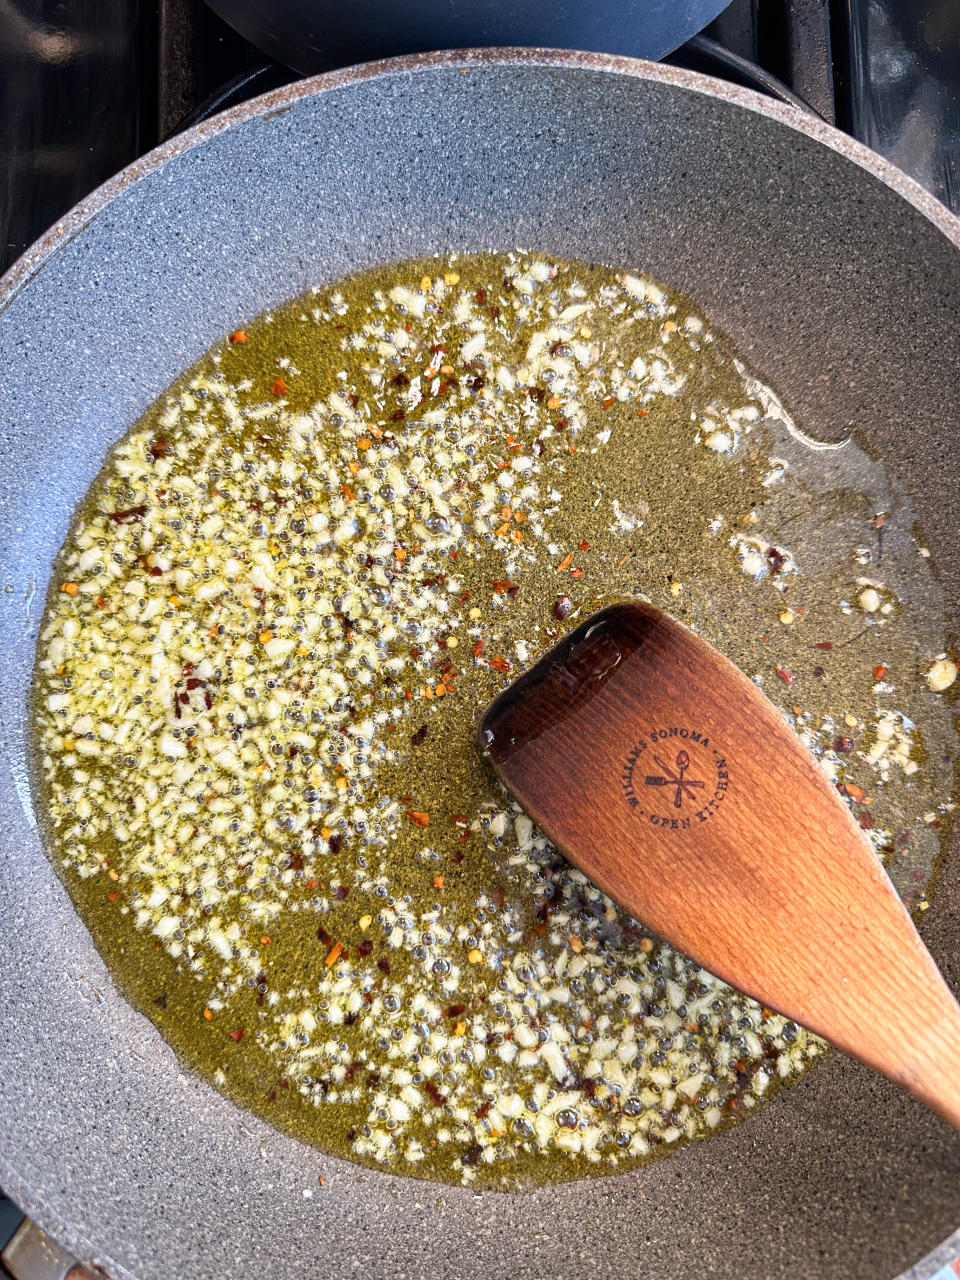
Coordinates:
<point>277,619</point>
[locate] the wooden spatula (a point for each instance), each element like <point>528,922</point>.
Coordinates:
<point>665,775</point>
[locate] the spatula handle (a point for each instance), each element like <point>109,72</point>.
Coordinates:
<point>917,1045</point>
<point>938,1081</point>
<point>879,996</point>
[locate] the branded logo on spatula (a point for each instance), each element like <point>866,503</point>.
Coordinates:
<point>682,785</point>
<point>667,785</point>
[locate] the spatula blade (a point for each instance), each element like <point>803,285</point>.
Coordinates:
<point>662,772</point>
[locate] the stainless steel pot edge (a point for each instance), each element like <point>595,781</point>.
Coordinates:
<point>73,223</point>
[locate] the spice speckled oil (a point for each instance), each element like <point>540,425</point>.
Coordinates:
<point>280,613</point>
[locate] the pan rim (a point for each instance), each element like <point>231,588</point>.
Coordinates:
<point>33,261</point>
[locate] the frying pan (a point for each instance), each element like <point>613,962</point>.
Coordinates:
<point>835,275</point>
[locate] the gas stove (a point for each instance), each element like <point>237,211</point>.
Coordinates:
<point>87,86</point>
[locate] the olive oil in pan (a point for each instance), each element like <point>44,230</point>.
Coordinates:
<point>278,617</point>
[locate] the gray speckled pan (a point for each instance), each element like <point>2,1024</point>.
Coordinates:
<point>835,274</point>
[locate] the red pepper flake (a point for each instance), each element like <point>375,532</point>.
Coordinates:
<point>418,818</point>
<point>566,562</point>
<point>786,676</point>
<point>777,559</point>
<point>877,521</point>
<point>853,791</point>
<point>843,744</point>
<point>562,607</point>
<point>642,413</point>
<point>478,649</point>
<point>499,663</point>
<point>420,737</point>
<point>279,387</point>
<point>237,1034</point>
<point>881,671</point>
<point>333,955</point>
<point>157,449</point>
<point>584,546</point>
<point>239,336</point>
<point>576,573</point>
<point>825,644</point>
<point>130,516</point>
<point>112,896</point>
<point>608,401</point>
<point>433,1093</point>
<point>503,587</point>
<point>866,821</point>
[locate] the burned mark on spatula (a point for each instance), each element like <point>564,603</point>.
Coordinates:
<point>579,668</point>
